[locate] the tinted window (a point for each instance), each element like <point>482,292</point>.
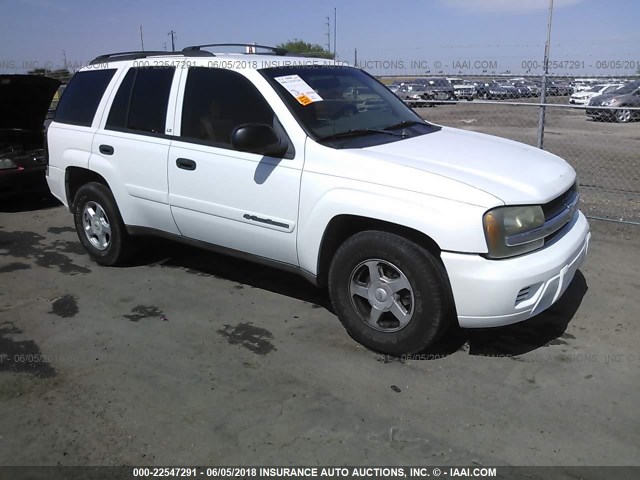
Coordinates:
<point>141,101</point>
<point>120,107</point>
<point>80,100</point>
<point>218,101</point>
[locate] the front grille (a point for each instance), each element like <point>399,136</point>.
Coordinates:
<point>558,205</point>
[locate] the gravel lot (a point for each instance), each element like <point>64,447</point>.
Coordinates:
<point>193,358</point>
<point>604,154</point>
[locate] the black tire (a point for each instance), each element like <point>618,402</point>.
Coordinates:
<point>119,246</point>
<point>430,301</point>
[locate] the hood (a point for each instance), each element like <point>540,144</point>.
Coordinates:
<point>25,100</point>
<point>513,172</point>
<point>598,99</point>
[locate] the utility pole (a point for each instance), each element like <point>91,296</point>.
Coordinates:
<point>141,39</point>
<point>543,96</point>
<point>165,46</point>
<point>335,32</point>
<point>64,58</point>
<point>328,34</point>
<point>355,57</point>
<point>172,34</point>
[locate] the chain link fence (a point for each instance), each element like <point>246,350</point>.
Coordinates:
<point>601,142</point>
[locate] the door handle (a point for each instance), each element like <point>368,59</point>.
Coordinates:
<point>106,149</point>
<point>186,164</point>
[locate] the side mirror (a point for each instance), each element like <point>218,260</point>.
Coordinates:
<point>258,138</point>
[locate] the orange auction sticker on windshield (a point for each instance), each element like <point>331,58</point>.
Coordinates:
<point>303,99</point>
<point>299,89</point>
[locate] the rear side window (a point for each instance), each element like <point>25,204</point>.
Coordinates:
<point>141,102</point>
<point>80,100</point>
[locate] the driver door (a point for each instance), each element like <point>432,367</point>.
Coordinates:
<point>238,200</point>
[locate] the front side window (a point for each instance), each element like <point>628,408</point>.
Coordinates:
<point>141,102</point>
<point>82,96</point>
<point>347,107</point>
<point>216,102</point>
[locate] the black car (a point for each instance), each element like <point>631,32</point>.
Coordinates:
<point>25,101</point>
<point>492,91</point>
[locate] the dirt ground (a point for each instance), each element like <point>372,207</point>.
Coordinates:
<point>194,358</point>
<point>605,155</point>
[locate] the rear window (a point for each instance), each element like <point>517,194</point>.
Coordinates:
<point>141,102</point>
<point>80,99</point>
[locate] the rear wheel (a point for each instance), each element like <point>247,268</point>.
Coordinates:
<point>99,225</point>
<point>390,294</point>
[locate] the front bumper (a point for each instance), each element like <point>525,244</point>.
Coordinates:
<point>491,293</point>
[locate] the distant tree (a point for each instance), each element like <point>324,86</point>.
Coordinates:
<point>62,74</point>
<point>300,46</point>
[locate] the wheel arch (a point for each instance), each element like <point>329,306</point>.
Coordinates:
<point>343,226</point>
<point>75,177</point>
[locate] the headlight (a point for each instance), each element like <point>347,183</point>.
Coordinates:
<point>7,163</point>
<point>611,101</point>
<point>504,222</point>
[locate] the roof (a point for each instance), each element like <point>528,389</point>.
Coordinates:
<point>196,55</point>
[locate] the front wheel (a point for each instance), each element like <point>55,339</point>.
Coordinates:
<point>99,225</point>
<point>390,294</point>
<point>623,116</point>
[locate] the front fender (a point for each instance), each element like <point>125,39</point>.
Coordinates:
<point>452,225</point>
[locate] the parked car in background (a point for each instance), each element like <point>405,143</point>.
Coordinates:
<point>25,101</point>
<point>511,91</point>
<point>463,89</point>
<point>525,88</point>
<point>560,88</point>
<point>413,93</point>
<point>522,90</point>
<point>624,99</point>
<point>581,84</point>
<point>439,89</point>
<point>491,91</point>
<point>583,97</point>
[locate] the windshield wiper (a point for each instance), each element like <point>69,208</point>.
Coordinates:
<point>405,123</point>
<point>356,132</point>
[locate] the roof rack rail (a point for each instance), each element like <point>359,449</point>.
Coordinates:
<point>196,48</point>
<point>131,55</point>
<point>143,54</point>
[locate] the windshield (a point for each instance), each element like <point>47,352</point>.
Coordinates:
<point>596,89</point>
<point>333,103</point>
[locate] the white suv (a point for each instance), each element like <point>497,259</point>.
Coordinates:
<point>317,168</point>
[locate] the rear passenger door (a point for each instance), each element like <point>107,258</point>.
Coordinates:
<point>132,146</point>
<point>239,200</point>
